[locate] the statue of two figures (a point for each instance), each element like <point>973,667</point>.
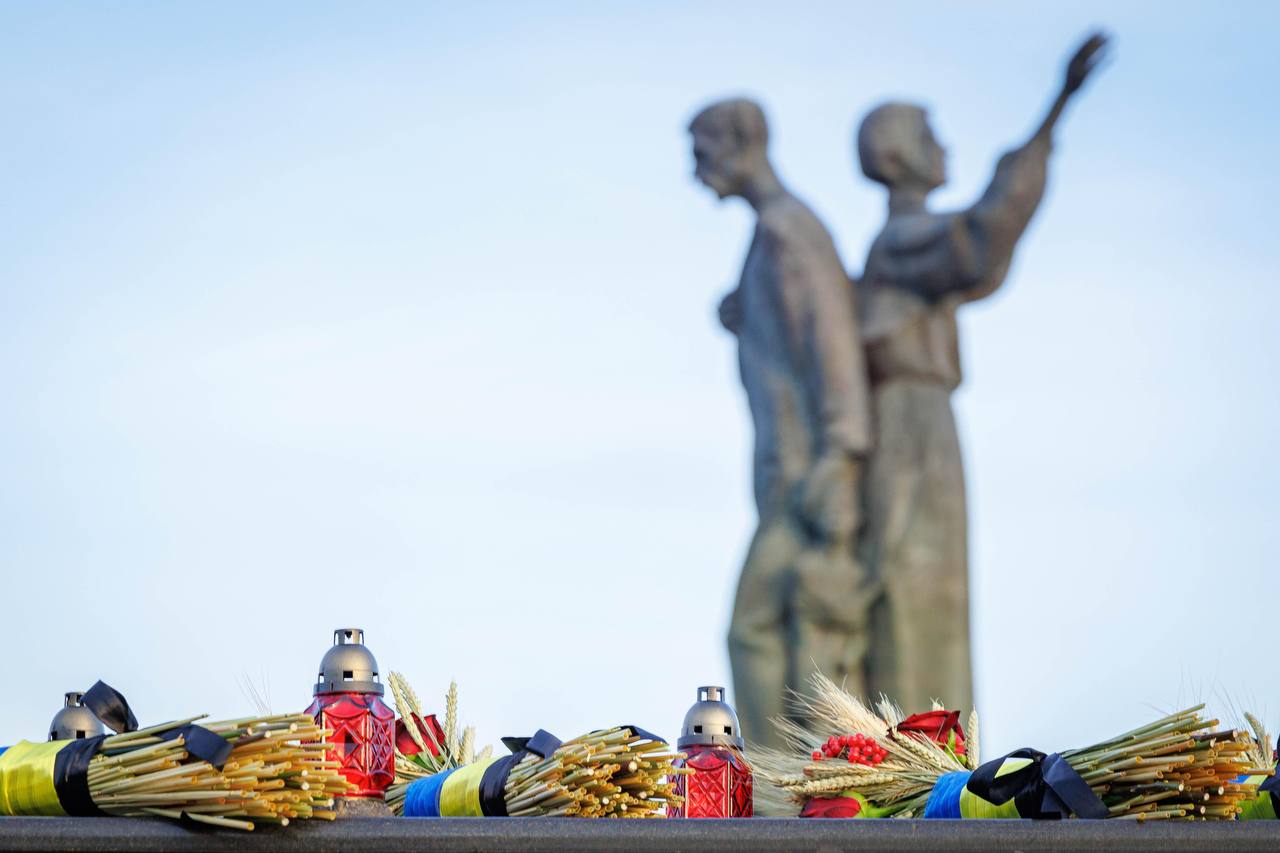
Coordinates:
<point>859,566</point>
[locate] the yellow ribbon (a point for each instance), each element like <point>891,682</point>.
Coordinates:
<point>26,779</point>
<point>973,806</point>
<point>460,794</point>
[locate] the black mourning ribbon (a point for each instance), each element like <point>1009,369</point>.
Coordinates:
<point>1046,789</point>
<point>71,764</point>
<point>493,801</point>
<point>201,743</point>
<point>108,705</point>
<point>71,776</point>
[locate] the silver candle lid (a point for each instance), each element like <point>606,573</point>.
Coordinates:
<point>710,722</point>
<point>348,667</point>
<point>74,721</point>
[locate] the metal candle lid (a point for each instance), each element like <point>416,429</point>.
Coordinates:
<point>75,721</point>
<point>710,722</point>
<point>348,667</point>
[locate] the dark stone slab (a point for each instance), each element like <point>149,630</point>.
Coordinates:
<point>513,835</point>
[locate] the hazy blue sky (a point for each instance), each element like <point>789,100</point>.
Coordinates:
<point>401,316</point>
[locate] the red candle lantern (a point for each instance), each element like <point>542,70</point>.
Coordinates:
<point>720,785</point>
<point>349,702</point>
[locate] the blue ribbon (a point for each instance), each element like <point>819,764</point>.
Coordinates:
<point>422,798</point>
<point>944,799</point>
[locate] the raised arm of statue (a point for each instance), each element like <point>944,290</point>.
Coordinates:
<point>984,236</point>
<point>987,233</point>
<point>1083,63</point>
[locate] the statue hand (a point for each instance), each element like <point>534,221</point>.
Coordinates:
<point>731,311</point>
<point>1086,59</point>
<point>829,499</point>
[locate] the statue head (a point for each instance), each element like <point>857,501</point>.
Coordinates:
<point>730,139</point>
<point>897,148</point>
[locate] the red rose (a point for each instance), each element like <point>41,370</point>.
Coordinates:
<point>831,807</point>
<point>942,726</point>
<point>428,727</point>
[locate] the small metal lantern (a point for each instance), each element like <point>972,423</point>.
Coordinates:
<point>75,721</point>
<point>721,782</point>
<point>348,700</point>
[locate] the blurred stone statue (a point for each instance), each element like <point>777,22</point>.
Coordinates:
<point>920,269</point>
<point>800,601</point>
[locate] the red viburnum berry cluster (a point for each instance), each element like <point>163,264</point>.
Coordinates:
<point>859,749</point>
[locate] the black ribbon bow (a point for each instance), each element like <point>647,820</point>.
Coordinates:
<point>1046,789</point>
<point>110,706</point>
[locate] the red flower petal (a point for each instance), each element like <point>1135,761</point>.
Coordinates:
<point>831,807</point>
<point>405,742</point>
<point>938,725</point>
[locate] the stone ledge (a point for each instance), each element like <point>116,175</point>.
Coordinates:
<point>560,835</point>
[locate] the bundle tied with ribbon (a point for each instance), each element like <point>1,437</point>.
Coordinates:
<point>888,765</point>
<point>477,789</point>
<point>624,771</point>
<point>1173,768</point>
<point>231,774</point>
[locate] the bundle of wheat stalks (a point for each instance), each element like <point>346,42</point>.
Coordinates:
<point>616,772</point>
<point>278,771</point>
<point>1175,767</point>
<point>898,785</point>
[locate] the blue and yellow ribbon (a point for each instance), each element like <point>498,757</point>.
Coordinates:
<point>476,790</point>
